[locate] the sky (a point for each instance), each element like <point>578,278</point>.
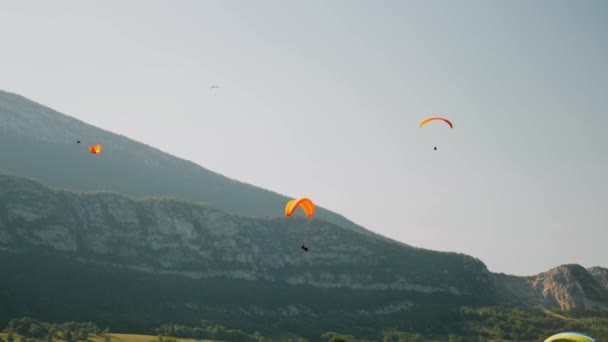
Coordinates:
<point>323,99</point>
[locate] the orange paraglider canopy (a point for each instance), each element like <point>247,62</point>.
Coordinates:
<point>305,203</point>
<point>95,149</point>
<point>425,121</point>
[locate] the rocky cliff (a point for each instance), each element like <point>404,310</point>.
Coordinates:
<point>600,274</point>
<point>215,257</point>
<point>176,237</point>
<point>163,257</point>
<point>565,287</point>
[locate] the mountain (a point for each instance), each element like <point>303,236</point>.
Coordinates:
<point>148,251</point>
<point>600,274</point>
<point>40,143</point>
<point>136,264</point>
<point>565,287</point>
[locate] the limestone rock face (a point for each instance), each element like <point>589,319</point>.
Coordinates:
<point>565,287</point>
<point>168,236</point>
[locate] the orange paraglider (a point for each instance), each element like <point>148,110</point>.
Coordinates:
<point>95,149</point>
<point>305,203</point>
<point>425,121</point>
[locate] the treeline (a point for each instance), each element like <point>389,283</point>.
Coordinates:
<point>497,324</point>
<point>208,330</point>
<point>31,330</point>
<point>528,324</point>
<point>468,324</point>
<point>386,336</point>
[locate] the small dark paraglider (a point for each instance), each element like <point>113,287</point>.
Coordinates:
<point>213,89</point>
<point>78,142</point>
<point>435,148</point>
<point>304,248</point>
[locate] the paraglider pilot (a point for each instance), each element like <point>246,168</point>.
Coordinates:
<point>304,248</point>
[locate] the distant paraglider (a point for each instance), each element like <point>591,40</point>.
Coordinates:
<point>571,336</point>
<point>307,206</point>
<point>95,149</point>
<point>427,120</point>
<point>213,89</point>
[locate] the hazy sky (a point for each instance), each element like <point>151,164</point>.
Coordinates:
<point>323,99</point>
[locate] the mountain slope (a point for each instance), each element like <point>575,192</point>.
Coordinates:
<point>600,274</point>
<point>137,264</point>
<point>38,142</point>
<point>565,287</point>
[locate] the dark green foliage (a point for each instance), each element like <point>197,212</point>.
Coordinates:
<point>208,330</point>
<point>526,324</point>
<point>164,339</point>
<point>336,337</point>
<point>491,323</point>
<point>31,329</point>
<point>474,325</point>
<point>138,302</point>
<point>400,336</point>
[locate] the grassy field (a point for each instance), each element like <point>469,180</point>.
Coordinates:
<point>120,338</point>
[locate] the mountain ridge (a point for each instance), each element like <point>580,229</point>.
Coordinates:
<point>112,259</point>
<point>565,287</point>
<point>17,192</point>
<point>48,138</point>
<point>171,237</point>
<point>21,187</point>
<point>600,274</point>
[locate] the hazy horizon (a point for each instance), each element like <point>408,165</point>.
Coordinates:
<point>323,99</point>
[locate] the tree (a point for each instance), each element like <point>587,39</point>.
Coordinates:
<point>82,334</point>
<point>67,334</point>
<point>258,336</point>
<point>35,330</point>
<point>164,339</point>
